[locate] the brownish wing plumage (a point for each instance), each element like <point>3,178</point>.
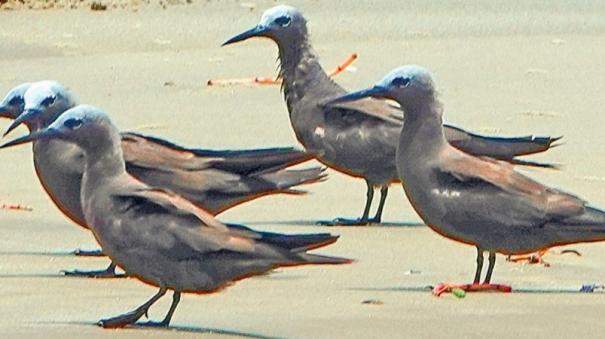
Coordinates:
<point>503,175</point>
<point>216,180</point>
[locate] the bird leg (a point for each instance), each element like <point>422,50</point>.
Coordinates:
<point>109,272</point>
<point>476,286</point>
<point>369,199</point>
<point>88,253</point>
<point>490,268</point>
<point>176,297</point>
<point>363,221</point>
<point>134,315</point>
<point>384,190</point>
<point>479,266</point>
<point>276,81</point>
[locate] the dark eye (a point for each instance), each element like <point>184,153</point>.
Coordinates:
<point>73,123</point>
<point>48,101</point>
<point>283,21</point>
<point>16,101</point>
<point>401,82</point>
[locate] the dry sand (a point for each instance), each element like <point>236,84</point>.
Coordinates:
<point>508,68</point>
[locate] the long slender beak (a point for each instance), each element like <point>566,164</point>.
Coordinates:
<point>376,91</point>
<point>258,30</point>
<point>24,117</point>
<point>48,133</point>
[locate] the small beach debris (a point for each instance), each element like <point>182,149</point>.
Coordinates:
<point>540,114</point>
<point>534,72</point>
<point>538,258</point>
<point>591,288</point>
<point>16,207</point>
<point>162,41</point>
<point>557,41</point>
<point>412,271</point>
<point>372,302</point>
<point>98,6</point>
<point>458,292</point>
<point>248,5</point>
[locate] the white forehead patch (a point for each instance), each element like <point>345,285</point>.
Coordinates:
<point>277,11</point>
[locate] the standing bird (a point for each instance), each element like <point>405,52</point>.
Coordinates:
<point>213,180</point>
<point>471,199</point>
<point>158,236</point>
<point>360,138</point>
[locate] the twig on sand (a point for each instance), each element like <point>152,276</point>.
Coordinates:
<point>16,207</point>
<point>276,81</point>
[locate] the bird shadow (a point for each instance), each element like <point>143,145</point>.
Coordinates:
<point>172,328</point>
<point>58,253</point>
<point>32,275</point>
<point>426,288</point>
<point>322,223</point>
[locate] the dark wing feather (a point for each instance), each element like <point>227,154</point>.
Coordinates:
<point>375,108</point>
<point>500,148</point>
<point>146,151</point>
<point>497,147</point>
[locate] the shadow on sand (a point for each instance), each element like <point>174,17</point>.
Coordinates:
<point>172,328</point>
<point>56,253</point>
<point>317,223</point>
<point>32,275</point>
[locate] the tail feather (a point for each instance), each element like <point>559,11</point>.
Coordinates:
<point>296,246</point>
<point>500,148</point>
<point>291,242</point>
<point>530,163</point>
<point>256,162</point>
<point>285,179</point>
<point>243,162</point>
<point>316,259</point>
<point>591,218</point>
<point>301,242</point>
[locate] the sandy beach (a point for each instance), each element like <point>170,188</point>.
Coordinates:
<point>505,68</point>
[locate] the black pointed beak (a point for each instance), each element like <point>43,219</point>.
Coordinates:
<point>26,116</point>
<point>376,91</point>
<point>48,133</point>
<point>255,31</point>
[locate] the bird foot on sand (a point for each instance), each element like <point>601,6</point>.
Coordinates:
<point>88,253</point>
<point>122,320</point>
<point>538,257</point>
<point>101,274</point>
<point>452,288</point>
<point>345,222</point>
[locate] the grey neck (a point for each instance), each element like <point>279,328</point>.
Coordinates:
<point>423,125</point>
<point>104,158</point>
<point>300,70</point>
